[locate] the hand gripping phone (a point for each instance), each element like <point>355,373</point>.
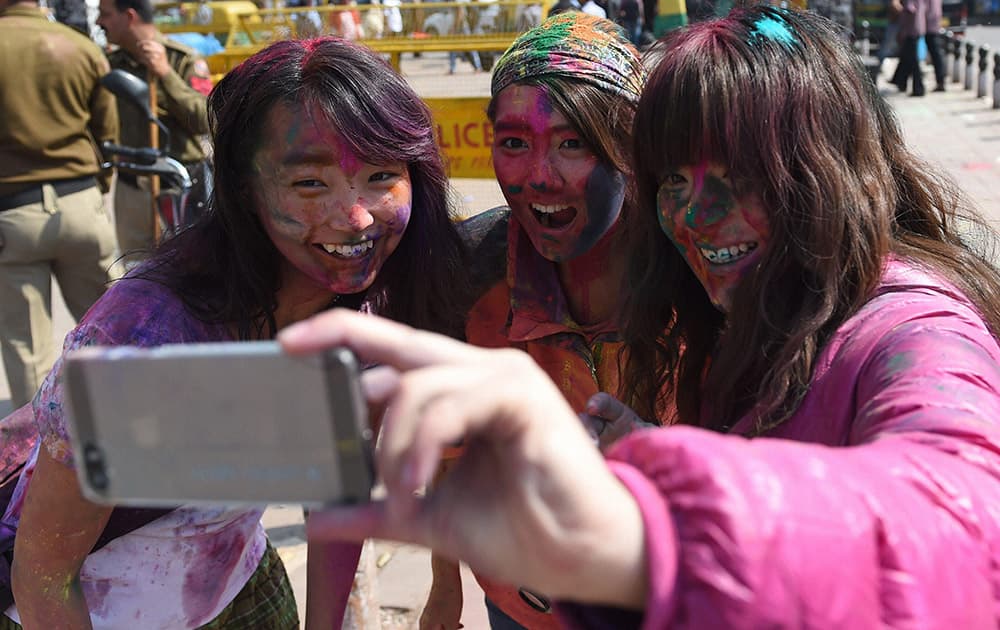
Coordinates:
<point>219,423</point>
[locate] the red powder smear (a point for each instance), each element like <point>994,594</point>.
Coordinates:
<point>217,557</point>
<point>977,166</point>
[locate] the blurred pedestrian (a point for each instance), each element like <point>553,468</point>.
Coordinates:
<point>592,8</point>
<point>889,46</point>
<point>143,51</point>
<point>562,6</point>
<point>462,27</point>
<point>912,27</point>
<point>932,37</point>
<point>630,18</point>
<point>72,13</point>
<point>52,214</point>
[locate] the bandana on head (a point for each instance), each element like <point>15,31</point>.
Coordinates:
<point>574,45</point>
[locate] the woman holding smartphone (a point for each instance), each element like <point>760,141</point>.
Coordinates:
<point>330,191</point>
<point>838,372</point>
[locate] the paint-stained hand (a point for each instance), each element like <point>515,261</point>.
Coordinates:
<point>607,419</point>
<point>529,480</point>
<point>153,55</point>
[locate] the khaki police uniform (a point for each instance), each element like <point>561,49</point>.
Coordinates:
<point>183,110</point>
<point>52,217</point>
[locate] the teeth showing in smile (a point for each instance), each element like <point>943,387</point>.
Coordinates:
<point>349,251</point>
<point>554,215</point>
<point>548,209</point>
<point>726,255</point>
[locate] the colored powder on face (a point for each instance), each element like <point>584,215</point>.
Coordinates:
<point>349,162</point>
<point>773,29</point>
<point>293,133</point>
<point>280,217</point>
<point>714,201</point>
<point>605,194</point>
<point>515,190</point>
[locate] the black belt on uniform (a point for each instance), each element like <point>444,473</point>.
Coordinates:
<point>62,187</point>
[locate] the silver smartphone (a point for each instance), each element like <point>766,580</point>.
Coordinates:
<point>218,423</point>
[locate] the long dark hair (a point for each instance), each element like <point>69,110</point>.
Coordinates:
<point>779,98</point>
<point>226,269</point>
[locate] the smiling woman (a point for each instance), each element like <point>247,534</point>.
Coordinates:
<point>563,97</point>
<point>330,189</point>
<point>720,233</point>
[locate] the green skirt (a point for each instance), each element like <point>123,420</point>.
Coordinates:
<point>266,602</point>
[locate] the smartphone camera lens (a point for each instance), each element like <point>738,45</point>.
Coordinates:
<point>93,460</point>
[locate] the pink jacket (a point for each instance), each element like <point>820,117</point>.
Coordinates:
<point>877,505</point>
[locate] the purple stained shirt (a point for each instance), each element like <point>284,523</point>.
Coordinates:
<point>182,569</point>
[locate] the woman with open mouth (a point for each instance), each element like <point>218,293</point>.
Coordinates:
<point>563,97</point>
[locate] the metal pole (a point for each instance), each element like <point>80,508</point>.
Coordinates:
<point>984,52</point>
<point>996,80</point>
<point>956,66</point>
<point>970,56</point>
<point>154,142</point>
<point>949,50</point>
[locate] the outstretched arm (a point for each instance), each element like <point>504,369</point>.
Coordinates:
<point>899,527</point>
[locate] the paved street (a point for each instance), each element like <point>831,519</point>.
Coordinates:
<point>954,131</point>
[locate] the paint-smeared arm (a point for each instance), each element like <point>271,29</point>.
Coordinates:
<point>443,608</point>
<point>58,529</point>
<point>901,525</point>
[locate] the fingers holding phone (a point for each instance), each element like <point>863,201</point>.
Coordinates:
<point>530,496</point>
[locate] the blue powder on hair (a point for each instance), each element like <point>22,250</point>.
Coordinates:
<point>773,29</point>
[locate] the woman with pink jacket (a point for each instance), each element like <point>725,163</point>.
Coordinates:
<point>831,346</point>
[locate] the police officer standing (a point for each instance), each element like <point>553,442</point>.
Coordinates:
<point>52,217</point>
<point>146,53</point>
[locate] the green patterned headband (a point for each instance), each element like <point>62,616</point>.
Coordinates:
<point>574,45</point>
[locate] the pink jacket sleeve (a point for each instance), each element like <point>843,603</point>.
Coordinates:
<point>901,528</point>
